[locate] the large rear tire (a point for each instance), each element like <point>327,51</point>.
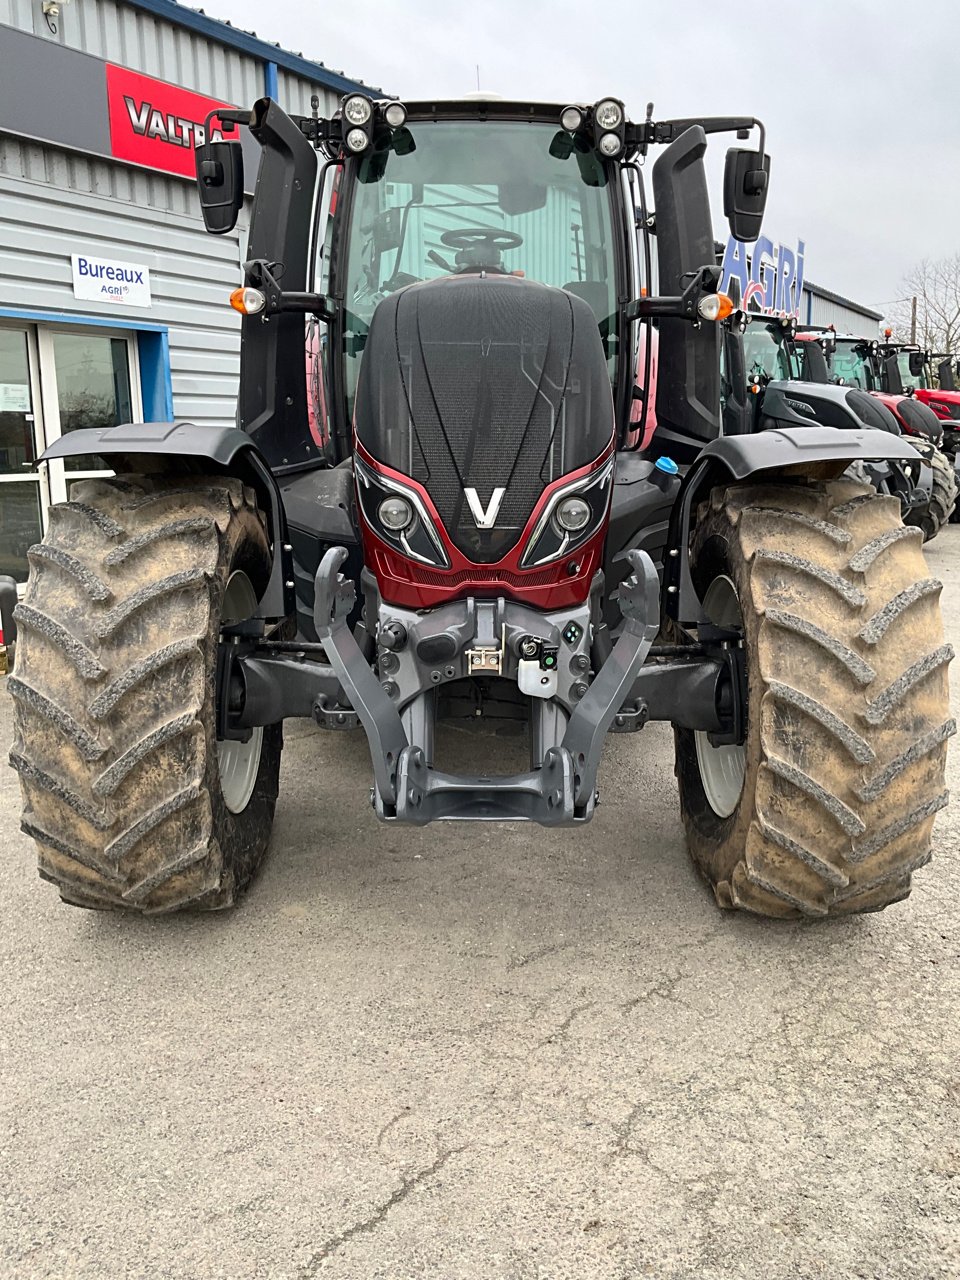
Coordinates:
<point>842,770</point>
<point>132,802</point>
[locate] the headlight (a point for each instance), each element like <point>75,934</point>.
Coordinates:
<point>608,114</point>
<point>398,516</point>
<point>572,514</point>
<point>395,114</point>
<point>610,144</point>
<point>571,118</point>
<point>357,110</point>
<point>395,513</point>
<point>583,505</point>
<point>357,140</point>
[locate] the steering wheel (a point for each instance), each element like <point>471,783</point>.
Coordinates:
<point>481,238</point>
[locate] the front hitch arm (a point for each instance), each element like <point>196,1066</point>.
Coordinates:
<point>594,714</point>
<point>333,600</point>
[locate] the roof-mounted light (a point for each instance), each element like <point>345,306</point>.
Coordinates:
<point>608,114</point>
<point>395,114</point>
<point>357,110</point>
<point>571,118</point>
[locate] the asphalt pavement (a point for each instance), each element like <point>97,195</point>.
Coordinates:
<point>480,1052</point>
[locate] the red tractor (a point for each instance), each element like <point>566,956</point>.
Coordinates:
<point>472,533</point>
<point>930,380</point>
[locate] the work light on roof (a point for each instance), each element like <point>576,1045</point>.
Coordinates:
<point>608,114</point>
<point>357,109</point>
<point>395,114</point>
<point>571,118</point>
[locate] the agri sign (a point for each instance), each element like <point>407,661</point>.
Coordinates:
<point>769,279</point>
<point>109,280</point>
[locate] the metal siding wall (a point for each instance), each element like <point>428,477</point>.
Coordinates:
<point>133,38</point>
<point>295,95</point>
<point>191,273</point>
<point>846,319</point>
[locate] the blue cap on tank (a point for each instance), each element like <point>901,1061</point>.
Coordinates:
<point>668,465</point>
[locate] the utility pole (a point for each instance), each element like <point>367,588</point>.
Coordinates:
<point>913,321</point>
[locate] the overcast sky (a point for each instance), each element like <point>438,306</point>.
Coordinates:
<point>861,100</point>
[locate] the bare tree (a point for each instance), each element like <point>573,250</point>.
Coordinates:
<point>936,287</point>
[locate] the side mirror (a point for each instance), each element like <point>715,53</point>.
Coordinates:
<point>915,363</point>
<point>220,183</point>
<point>746,179</point>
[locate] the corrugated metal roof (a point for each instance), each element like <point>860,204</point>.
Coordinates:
<point>248,42</point>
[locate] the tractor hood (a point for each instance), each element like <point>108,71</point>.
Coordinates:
<point>484,389</point>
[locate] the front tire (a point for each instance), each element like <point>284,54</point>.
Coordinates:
<point>843,763</point>
<point>132,802</point>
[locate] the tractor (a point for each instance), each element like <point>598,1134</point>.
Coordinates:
<point>760,349</point>
<point>929,380</point>
<point>473,533</point>
<point>865,362</point>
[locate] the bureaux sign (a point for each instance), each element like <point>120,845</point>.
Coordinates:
<point>110,280</point>
<point>769,279</point>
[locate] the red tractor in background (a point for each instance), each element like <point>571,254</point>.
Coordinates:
<point>929,379</point>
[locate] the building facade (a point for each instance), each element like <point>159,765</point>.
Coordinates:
<point>113,299</point>
<point>821,307</point>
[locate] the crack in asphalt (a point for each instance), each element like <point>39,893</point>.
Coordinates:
<point>550,949</point>
<point>395,1120</point>
<point>564,1027</point>
<point>370,1223</point>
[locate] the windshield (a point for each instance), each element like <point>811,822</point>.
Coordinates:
<point>911,381</point>
<point>850,363</point>
<point>532,214</point>
<point>766,354</point>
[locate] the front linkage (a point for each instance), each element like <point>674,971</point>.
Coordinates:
<point>622,694</point>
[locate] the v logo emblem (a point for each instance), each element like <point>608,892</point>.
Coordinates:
<point>484,519</point>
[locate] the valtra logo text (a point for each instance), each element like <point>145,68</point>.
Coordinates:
<point>158,124</point>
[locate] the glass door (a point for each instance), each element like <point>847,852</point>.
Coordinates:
<point>90,379</point>
<point>23,487</point>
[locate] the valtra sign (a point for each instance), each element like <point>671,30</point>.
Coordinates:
<point>158,124</point>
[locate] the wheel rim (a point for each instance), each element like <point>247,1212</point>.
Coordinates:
<point>239,761</point>
<point>722,769</point>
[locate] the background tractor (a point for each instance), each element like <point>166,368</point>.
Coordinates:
<point>467,530</point>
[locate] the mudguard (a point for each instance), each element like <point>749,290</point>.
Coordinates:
<point>773,453</point>
<point>225,449</point>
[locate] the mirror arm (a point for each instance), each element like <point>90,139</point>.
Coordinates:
<point>262,275</point>
<point>684,307</point>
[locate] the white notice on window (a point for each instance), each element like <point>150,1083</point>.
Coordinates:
<point>14,397</point>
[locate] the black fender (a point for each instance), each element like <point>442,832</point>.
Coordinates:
<point>770,454</point>
<point>186,447</point>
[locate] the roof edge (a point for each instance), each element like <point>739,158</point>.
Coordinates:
<point>841,301</point>
<point>233,37</point>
